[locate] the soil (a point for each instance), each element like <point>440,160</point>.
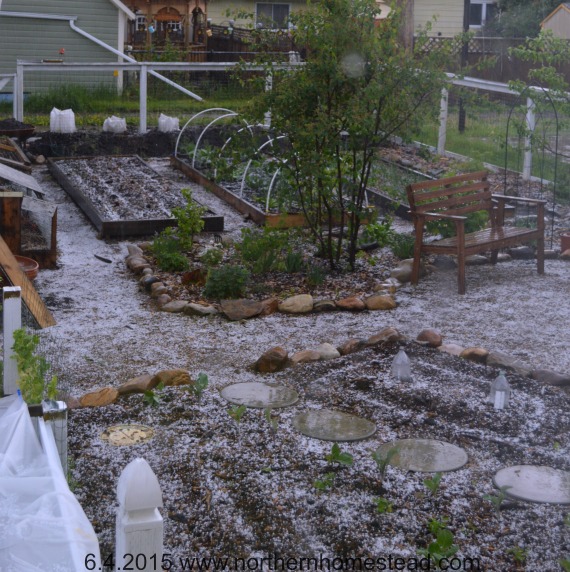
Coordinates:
<point>244,490</point>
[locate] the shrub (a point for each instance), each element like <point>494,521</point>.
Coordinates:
<point>212,256</point>
<point>402,246</point>
<point>380,232</point>
<point>315,275</point>
<point>166,249</point>
<point>189,220</point>
<point>475,221</point>
<point>261,250</point>
<point>227,281</point>
<point>293,262</point>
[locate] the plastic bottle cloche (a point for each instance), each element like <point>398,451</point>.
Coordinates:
<point>500,392</point>
<point>401,367</point>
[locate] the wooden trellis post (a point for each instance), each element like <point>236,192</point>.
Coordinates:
<point>139,534</point>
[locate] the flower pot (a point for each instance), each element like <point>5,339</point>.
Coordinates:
<point>28,266</point>
<point>564,241</point>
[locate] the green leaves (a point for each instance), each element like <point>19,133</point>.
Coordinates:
<point>498,499</point>
<point>337,456</point>
<point>382,461</point>
<point>442,546</point>
<point>432,483</point>
<point>236,412</point>
<point>325,483</point>
<point>200,385</point>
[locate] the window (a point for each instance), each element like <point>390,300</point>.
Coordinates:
<point>141,22</point>
<point>273,16</point>
<point>480,13</point>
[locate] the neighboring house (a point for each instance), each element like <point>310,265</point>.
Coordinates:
<point>558,21</point>
<point>35,31</point>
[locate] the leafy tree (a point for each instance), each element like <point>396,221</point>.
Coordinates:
<point>520,18</point>
<point>357,88</point>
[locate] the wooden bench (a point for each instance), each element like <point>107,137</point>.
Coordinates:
<point>452,199</point>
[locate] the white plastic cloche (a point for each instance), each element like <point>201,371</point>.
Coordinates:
<point>401,367</point>
<point>500,392</point>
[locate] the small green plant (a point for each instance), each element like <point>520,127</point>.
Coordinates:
<point>325,483</point>
<point>519,554</point>
<point>236,412</point>
<point>382,461</point>
<point>567,520</point>
<point>212,256</point>
<point>384,505</point>
<point>262,250</point>
<point>432,483</point>
<point>227,281</point>
<point>316,275</point>
<point>380,232</point>
<point>272,421</point>
<point>402,246</point>
<point>475,221</point>
<point>189,219</point>
<point>32,369</point>
<point>442,546</point>
<point>497,500</point>
<point>293,262</point>
<point>565,563</point>
<point>199,386</point>
<point>166,249</point>
<point>337,456</point>
<point>151,397</point>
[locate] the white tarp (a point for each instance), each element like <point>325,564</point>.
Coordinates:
<point>42,526</point>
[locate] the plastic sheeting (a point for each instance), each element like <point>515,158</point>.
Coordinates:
<point>42,526</point>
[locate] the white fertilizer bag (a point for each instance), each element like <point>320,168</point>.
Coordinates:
<point>167,124</point>
<point>115,124</point>
<point>62,121</point>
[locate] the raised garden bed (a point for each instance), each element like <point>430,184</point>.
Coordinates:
<point>257,215</point>
<point>122,195</point>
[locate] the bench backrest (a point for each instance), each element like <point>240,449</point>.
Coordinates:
<point>457,195</point>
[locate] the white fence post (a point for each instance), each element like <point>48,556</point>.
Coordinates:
<point>12,303</point>
<point>530,125</point>
<point>143,86</point>
<point>139,534</point>
<point>442,133</point>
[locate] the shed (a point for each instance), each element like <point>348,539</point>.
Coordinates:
<point>558,21</point>
<point>63,30</point>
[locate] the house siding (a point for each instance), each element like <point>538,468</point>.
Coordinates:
<point>559,23</point>
<point>217,10</point>
<point>448,14</point>
<point>35,39</point>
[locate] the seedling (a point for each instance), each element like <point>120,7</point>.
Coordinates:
<point>519,554</point>
<point>567,520</point>
<point>442,547</point>
<point>273,422</point>
<point>150,396</point>
<point>384,505</point>
<point>200,385</point>
<point>382,461</point>
<point>565,564</point>
<point>432,483</point>
<point>337,456</point>
<point>498,499</point>
<point>325,483</point>
<point>434,526</point>
<point>236,412</point>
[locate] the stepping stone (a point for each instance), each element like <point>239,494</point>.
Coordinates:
<point>260,395</point>
<point>535,483</point>
<point>425,455</point>
<point>329,425</point>
<point>120,435</point>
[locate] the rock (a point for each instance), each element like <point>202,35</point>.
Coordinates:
<point>403,272</point>
<point>550,255</point>
<point>148,280</point>
<point>139,267</point>
<point>504,257</point>
<point>175,307</point>
<point>147,272</point>
<point>269,306</point>
<point>72,402</point>
<point>380,302</point>
<point>565,255</point>
<point>478,355</point>
<point>300,304</point>
<point>327,351</point>
<point>138,384</point>
<point>551,377</point>
<point>443,262</point>
<point>305,356</point>
<point>522,253</point>
<point>476,260</point>
<point>241,309</point>
<point>157,288</point>
<point>40,160</point>
<point>196,276</point>
<point>272,360</point>
<point>502,360</point>
<point>99,398</point>
<point>135,250</point>
<point>352,303</point>
<point>351,346</point>
<point>162,300</point>
<point>453,349</point>
<point>172,378</point>
<point>430,337</point>
<point>145,246</point>
<point>387,334</point>
<point>324,306</point>
<point>194,309</point>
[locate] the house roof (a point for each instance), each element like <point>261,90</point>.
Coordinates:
<point>130,14</point>
<point>564,6</point>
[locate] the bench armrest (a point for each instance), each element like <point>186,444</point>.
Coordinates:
<point>439,215</point>
<point>517,199</point>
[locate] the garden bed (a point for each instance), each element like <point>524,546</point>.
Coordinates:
<point>122,195</point>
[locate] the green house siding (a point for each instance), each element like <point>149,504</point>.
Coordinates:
<point>34,39</point>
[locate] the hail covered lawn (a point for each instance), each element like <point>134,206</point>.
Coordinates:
<point>244,490</point>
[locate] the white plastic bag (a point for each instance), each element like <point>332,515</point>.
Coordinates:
<point>62,121</point>
<point>115,124</point>
<point>167,124</point>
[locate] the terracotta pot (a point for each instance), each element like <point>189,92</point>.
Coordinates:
<point>564,241</point>
<point>28,266</point>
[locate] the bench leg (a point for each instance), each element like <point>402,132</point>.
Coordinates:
<point>415,278</point>
<point>494,256</point>
<point>461,270</point>
<point>540,255</point>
